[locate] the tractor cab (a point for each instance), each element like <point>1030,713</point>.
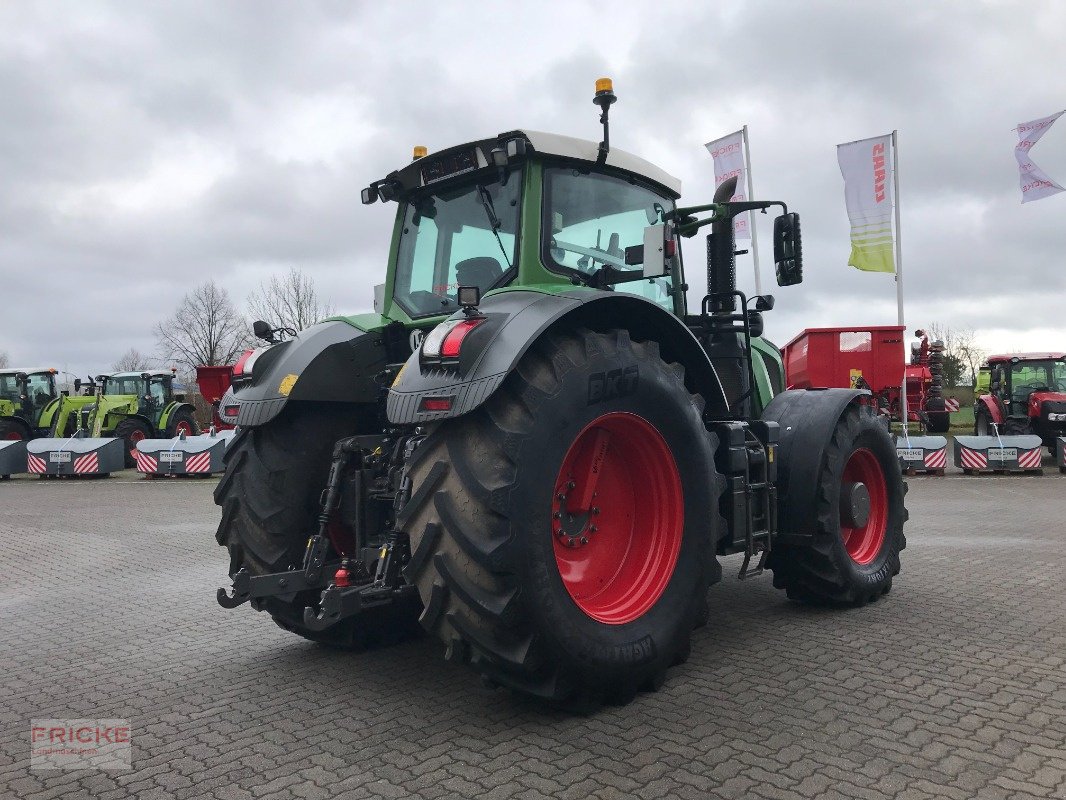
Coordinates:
<point>24,396</point>
<point>1025,393</point>
<point>152,391</point>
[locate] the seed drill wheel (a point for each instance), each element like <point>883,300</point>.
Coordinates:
<point>566,544</point>
<point>854,550</point>
<point>270,495</point>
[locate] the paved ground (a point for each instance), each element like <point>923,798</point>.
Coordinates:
<point>952,686</point>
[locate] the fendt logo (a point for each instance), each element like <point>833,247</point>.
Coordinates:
<point>879,172</point>
<point>613,383</point>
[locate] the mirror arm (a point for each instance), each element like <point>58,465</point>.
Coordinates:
<point>688,224</point>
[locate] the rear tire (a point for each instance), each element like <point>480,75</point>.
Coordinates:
<point>514,589</point>
<point>846,562</point>
<point>131,431</point>
<point>270,494</point>
<point>182,421</point>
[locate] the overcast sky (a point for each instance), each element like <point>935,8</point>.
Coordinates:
<point>147,147</point>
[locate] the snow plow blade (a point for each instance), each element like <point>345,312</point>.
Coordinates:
<point>183,455</point>
<point>80,455</point>
<point>927,454</point>
<point>12,458</point>
<point>998,453</point>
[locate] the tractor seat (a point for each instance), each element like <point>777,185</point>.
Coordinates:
<point>481,271</point>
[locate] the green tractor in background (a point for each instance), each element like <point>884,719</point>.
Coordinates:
<point>31,405</point>
<point>535,448</point>
<point>138,405</point>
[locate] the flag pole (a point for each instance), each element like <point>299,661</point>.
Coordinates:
<point>751,215</point>
<point>899,273</point>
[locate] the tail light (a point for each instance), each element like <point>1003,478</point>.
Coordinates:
<point>242,370</point>
<point>444,342</point>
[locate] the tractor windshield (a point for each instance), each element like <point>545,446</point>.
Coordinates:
<point>126,385</point>
<point>1032,376</point>
<point>462,236</point>
<point>590,220</point>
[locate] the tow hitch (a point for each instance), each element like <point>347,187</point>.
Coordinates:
<point>346,585</point>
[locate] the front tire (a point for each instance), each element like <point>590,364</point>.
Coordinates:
<point>131,431</point>
<point>566,545</point>
<point>853,553</point>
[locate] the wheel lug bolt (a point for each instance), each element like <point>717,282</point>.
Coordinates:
<point>593,529</point>
<point>558,515</point>
<point>584,540</point>
<point>595,510</point>
<point>570,485</point>
<point>561,497</point>
<point>571,542</point>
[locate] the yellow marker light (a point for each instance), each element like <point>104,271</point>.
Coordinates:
<point>604,85</point>
<point>421,151</point>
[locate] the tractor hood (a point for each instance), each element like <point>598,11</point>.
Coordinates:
<point>1044,403</point>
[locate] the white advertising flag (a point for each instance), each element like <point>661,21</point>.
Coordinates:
<point>728,155</point>
<point>867,169</point>
<point>1036,184</point>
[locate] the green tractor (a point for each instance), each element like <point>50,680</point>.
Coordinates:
<point>535,447</point>
<point>138,405</point>
<point>31,406</point>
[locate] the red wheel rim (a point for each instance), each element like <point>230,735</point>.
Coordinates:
<point>183,427</point>
<point>13,436</point>
<point>863,543</point>
<point>134,437</point>
<point>617,518</point>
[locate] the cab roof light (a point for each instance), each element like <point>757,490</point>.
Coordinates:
<point>420,151</point>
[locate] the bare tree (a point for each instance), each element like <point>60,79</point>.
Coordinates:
<point>290,301</point>
<point>5,361</point>
<point>961,353</point>
<point>205,329</point>
<point>131,361</point>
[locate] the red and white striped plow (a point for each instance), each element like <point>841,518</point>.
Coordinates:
<point>999,453</point>
<point>183,455</point>
<point>928,454</point>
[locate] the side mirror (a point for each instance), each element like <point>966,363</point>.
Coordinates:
<point>764,302</point>
<point>655,251</point>
<point>369,195</point>
<point>146,376</point>
<point>77,384</point>
<point>21,377</point>
<point>788,250</point>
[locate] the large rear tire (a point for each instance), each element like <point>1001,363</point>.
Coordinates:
<point>566,544</point>
<point>270,494</point>
<point>182,422</point>
<point>854,552</point>
<point>13,431</point>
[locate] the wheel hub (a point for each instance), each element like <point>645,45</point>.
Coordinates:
<point>573,530</point>
<point>854,504</point>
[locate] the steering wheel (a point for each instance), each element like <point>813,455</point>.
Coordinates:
<point>592,252</point>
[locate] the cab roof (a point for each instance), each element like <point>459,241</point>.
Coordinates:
<point>1052,356</point>
<point>155,373</point>
<point>27,370</point>
<point>585,150</point>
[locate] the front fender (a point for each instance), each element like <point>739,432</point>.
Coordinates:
<point>807,418</point>
<point>331,362</point>
<point>517,319</point>
<point>995,412</point>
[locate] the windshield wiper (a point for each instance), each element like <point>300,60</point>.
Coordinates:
<point>494,221</point>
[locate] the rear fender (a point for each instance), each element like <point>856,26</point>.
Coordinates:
<point>331,362</point>
<point>807,418</point>
<point>171,410</point>
<point>515,320</point>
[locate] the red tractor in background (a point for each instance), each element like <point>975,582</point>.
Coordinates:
<point>1022,393</point>
<point>873,358</point>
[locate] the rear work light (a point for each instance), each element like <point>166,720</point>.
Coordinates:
<point>446,340</point>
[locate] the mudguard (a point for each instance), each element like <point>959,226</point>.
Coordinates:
<point>995,413</point>
<point>514,320</point>
<point>173,407</point>
<point>332,362</point>
<point>807,418</point>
